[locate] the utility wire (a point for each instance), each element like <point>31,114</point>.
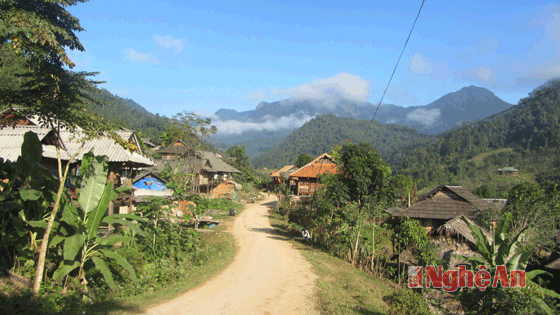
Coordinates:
<point>395,69</point>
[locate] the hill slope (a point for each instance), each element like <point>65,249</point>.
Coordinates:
<point>322,133</point>
<point>129,114</point>
<point>527,138</point>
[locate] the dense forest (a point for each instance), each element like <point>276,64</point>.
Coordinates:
<point>322,133</point>
<point>129,114</point>
<point>526,138</point>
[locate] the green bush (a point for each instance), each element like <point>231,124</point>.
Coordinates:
<point>406,302</point>
<point>427,255</point>
<point>501,301</point>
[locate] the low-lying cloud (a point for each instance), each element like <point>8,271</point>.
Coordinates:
<point>323,92</point>
<point>341,86</point>
<point>426,117</point>
<point>232,127</point>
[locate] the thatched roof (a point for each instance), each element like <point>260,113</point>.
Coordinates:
<point>177,147</point>
<point>458,227</point>
<point>445,203</point>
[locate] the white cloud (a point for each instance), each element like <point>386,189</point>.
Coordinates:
<point>140,57</point>
<point>341,86</point>
<point>482,74</point>
<point>168,41</point>
<point>236,127</point>
<point>436,70</point>
<point>424,116</point>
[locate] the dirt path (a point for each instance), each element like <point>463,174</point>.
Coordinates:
<point>267,276</point>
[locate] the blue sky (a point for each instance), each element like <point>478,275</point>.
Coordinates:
<point>201,56</point>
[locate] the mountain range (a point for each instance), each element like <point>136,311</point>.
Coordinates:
<point>469,103</point>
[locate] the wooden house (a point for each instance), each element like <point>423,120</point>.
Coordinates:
<point>305,181</point>
<point>282,175</point>
<point>206,169</point>
<point>445,203</point>
<point>176,150</point>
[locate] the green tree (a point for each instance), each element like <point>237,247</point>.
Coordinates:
<point>532,206</point>
<point>239,157</point>
<point>361,180</point>
<point>303,159</point>
<point>191,129</point>
<point>39,31</point>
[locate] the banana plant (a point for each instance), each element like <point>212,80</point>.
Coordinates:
<point>79,231</point>
<point>503,250</point>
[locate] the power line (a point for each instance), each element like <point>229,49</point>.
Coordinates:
<point>395,69</point>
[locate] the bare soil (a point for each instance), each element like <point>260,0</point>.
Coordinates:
<point>268,275</point>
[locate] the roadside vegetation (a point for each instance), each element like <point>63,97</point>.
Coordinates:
<point>99,263</point>
<point>345,218</point>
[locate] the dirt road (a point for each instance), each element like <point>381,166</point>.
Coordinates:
<point>267,276</point>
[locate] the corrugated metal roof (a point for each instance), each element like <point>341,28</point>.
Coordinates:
<point>102,146</point>
<point>11,139</point>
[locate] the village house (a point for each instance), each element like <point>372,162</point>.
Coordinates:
<point>305,181</point>
<point>206,169</point>
<point>282,176</point>
<point>123,164</point>
<point>442,209</point>
<point>507,171</point>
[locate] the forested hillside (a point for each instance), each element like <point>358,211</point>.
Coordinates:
<point>322,133</point>
<point>526,138</point>
<point>129,114</point>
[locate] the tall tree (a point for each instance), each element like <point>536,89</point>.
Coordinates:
<point>303,159</point>
<point>39,32</point>
<point>361,179</point>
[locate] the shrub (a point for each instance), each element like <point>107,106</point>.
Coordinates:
<point>406,302</point>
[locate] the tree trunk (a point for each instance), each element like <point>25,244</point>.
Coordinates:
<point>111,208</point>
<point>372,245</point>
<point>45,243</point>
<point>356,246</point>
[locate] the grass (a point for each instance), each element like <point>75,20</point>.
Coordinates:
<point>479,159</point>
<point>222,250</point>
<point>223,245</point>
<point>341,288</point>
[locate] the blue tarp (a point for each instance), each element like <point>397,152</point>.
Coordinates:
<point>156,184</point>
